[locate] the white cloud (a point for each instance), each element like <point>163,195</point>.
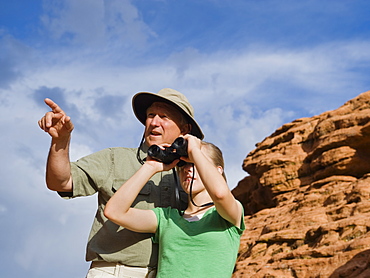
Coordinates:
<point>226,89</point>
<point>75,21</point>
<point>86,28</point>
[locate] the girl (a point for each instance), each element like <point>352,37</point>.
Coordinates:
<point>204,240</point>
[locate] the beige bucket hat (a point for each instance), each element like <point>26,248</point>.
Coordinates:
<point>141,102</point>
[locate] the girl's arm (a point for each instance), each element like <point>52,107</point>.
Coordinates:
<point>227,206</point>
<point>118,208</point>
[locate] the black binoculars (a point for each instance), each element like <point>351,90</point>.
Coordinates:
<point>167,155</point>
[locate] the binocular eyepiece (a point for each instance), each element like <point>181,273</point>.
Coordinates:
<point>167,155</point>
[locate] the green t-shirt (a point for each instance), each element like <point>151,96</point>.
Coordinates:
<point>104,172</point>
<point>204,248</point>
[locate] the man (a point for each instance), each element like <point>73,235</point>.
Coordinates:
<point>112,249</point>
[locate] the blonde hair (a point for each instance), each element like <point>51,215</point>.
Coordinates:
<point>215,154</point>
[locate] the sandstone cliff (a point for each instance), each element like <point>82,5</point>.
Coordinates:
<point>307,198</point>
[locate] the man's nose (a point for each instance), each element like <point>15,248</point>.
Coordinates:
<point>155,120</point>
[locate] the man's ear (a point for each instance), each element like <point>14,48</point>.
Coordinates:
<point>186,129</point>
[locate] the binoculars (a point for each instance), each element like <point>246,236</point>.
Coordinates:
<point>167,155</point>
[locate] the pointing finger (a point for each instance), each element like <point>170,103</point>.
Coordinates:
<point>54,107</point>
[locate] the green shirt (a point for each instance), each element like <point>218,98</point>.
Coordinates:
<point>104,172</point>
<point>202,249</point>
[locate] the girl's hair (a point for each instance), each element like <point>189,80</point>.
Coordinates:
<point>215,154</point>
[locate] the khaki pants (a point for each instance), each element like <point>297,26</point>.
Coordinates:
<point>110,270</point>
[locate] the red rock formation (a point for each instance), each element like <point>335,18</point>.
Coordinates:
<point>307,199</point>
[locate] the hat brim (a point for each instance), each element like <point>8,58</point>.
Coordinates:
<point>143,100</point>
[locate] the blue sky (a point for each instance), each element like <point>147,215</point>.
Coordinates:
<point>247,67</point>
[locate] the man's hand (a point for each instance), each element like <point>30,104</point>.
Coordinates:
<point>56,122</point>
<point>159,166</point>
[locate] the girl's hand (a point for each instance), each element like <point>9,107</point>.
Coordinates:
<point>194,145</point>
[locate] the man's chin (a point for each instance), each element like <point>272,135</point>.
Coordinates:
<point>154,140</point>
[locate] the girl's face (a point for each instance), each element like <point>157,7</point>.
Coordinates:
<point>186,174</point>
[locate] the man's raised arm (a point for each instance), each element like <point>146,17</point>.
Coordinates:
<point>59,126</point>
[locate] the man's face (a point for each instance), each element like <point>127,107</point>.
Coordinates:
<point>163,124</point>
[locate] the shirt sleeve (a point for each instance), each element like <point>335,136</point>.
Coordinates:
<point>159,214</point>
<point>89,173</point>
<point>242,224</point>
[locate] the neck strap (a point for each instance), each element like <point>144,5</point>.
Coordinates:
<point>138,151</point>
<point>191,190</point>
